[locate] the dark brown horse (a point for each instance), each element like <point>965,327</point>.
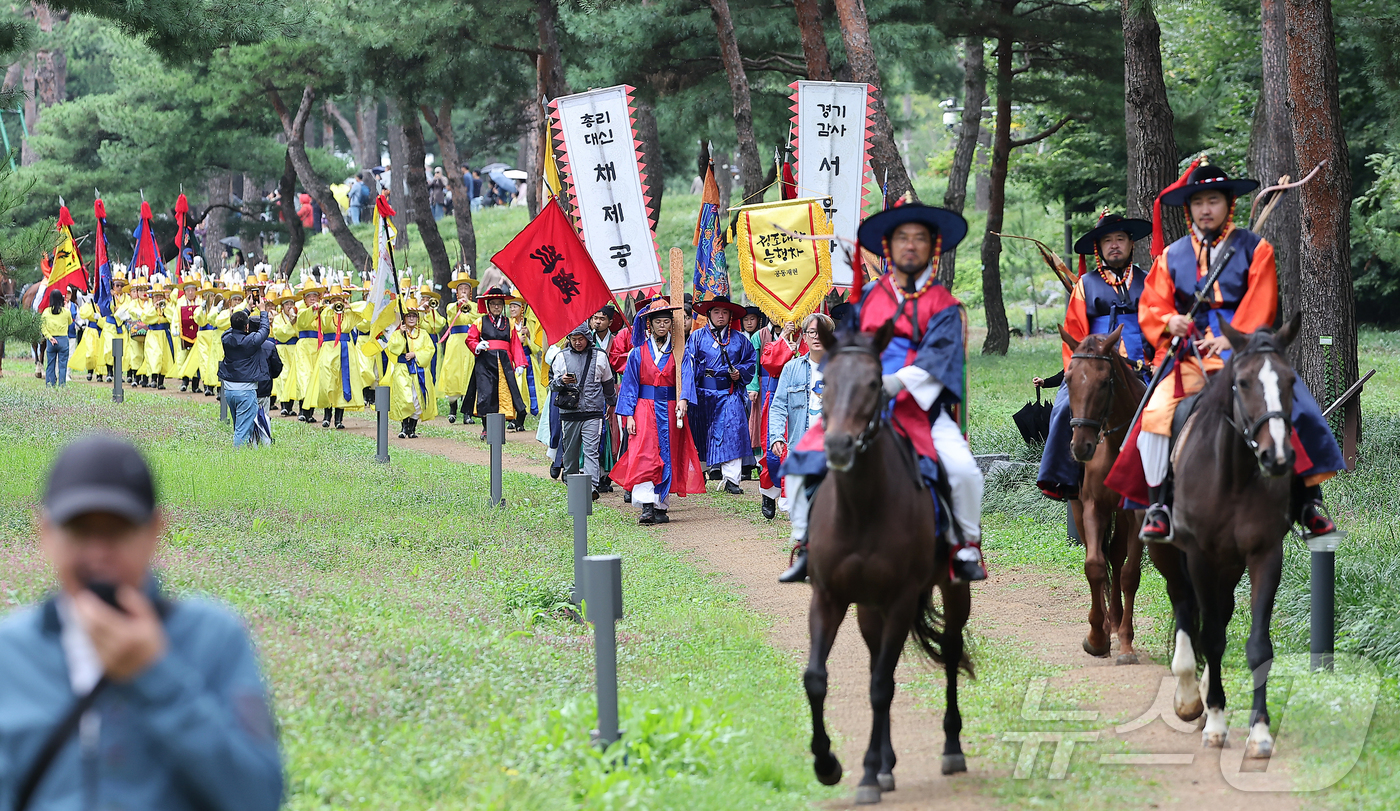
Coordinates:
<point>26,299</point>
<point>874,542</point>
<point>1103,394</point>
<point>1231,514</point>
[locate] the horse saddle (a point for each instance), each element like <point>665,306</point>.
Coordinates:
<point>1184,410</point>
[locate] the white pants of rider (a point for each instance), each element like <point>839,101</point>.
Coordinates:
<point>1156,451</point>
<point>645,493</point>
<point>964,477</point>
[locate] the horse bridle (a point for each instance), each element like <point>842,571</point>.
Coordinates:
<point>1097,425</point>
<point>872,427</point>
<point>1262,419</point>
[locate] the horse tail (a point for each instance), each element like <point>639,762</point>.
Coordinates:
<point>931,632</point>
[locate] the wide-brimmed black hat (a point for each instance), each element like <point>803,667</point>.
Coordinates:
<point>1208,178</point>
<point>1108,224</point>
<point>721,302</point>
<point>754,311</point>
<point>879,226</point>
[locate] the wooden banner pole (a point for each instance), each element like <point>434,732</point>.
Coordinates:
<point>678,329</point>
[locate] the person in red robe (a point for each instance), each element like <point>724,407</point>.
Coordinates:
<point>660,457</point>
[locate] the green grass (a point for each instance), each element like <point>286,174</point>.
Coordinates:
<point>416,641</point>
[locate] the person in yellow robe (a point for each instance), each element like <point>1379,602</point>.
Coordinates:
<point>195,369</point>
<point>455,357</point>
<point>132,315</point>
<point>308,347</point>
<point>87,355</point>
<point>339,377</point>
<point>112,327</point>
<point>412,393</point>
<point>162,319</point>
<point>185,330</point>
<point>287,387</point>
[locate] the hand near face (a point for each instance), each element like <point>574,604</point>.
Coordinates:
<point>126,643</point>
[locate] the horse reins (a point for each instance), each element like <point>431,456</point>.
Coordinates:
<point>1085,422</point>
<point>872,427</point>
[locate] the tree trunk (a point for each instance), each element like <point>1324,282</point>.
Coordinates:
<point>441,122</point>
<point>352,135</point>
<point>219,188</point>
<point>982,183</point>
<point>532,157</point>
<point>884,154</point>
<point>398,163</point>
<point>651,158</point>
<point>1324,255</point>
<point>998,331</point>
<point>31,115</point>
<point>974,92</point>
<point>724,179</point>
<point>295,129</point>
<point>1152,155</point>
<point>1274,155</point>
<point>296,234</point>
<point>809,22</point>
<point>367,129</point>
<point>417,177</point>
<point>750,168</point>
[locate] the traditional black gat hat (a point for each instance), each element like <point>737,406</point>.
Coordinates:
<point>1206,177</point>
<point>1108,224</point>
<point>940,221</point>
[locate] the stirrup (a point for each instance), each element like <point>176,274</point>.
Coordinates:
<point>967,568</point>
<point>1171,526</point>
<point>797,565</point>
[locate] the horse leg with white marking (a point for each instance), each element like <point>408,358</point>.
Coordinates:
<point>1171,563</point>
<point>824,620</point>
<point>1216,594</point>
<point>1265,571</point>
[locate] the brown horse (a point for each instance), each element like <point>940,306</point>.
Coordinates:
<point>1231,514</point>
<point>874,542</point>
<point>1102,384</point>
<point>26,299</point>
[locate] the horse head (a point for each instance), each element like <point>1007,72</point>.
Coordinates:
<point>1261,382</point>
<point>1092,372</point>
<point>853,394</point>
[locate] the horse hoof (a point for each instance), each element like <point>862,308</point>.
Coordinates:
<point>952,764</point>
<point>1127,659</point>
<point>1258,749</point>
<point>830,777</point>
<point>1189,707</point>
<point>886,781</point>
<point>1093,651</point>
<point>867,795</point>
<point>1213,740</point>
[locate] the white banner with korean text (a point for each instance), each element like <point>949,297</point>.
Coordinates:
<point>608,185</point>
<point>833,140</point>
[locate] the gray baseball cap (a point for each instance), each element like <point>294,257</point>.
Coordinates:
<point>100,473</point>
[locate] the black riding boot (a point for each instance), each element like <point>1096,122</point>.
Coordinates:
<point>661,517</point>
<point>403,429</point>
<point>451,412</point>
<point>648,514</point>
<point>339,419</point>
<point>770,507</point>
<point>1157,523</point>
<point>965,563</point>
<point>369,395</point>
<point>184,383</point>
<point>1314,516</point>
<point>413,428</point>
<point>797,572</point>
<point>160,382</point>
<point>326,419</point>
<point>308,415</point>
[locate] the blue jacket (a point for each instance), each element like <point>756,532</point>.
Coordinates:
<point>787,414</point>
<point>243,356</point>
<point>194,731</point>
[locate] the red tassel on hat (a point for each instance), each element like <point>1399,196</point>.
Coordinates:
<point>1159,242</point>
<point>857,275</point>
<point>1083,265</point>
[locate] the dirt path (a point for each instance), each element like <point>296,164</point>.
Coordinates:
<point>1042,614</point>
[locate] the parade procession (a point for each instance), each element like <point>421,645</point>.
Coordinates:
<point>699,405</point>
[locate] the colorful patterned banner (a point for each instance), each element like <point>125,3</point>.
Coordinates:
<point>608,185</point>
<point>784,276</point>
<point>833,141</point>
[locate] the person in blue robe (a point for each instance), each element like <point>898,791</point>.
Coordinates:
<point>724,362</point>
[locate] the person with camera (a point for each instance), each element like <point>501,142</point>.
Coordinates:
<point>114,694</point>
<point>244,366</point>
<point>584,388</point>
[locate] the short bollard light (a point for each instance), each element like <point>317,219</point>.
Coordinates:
<point>117,346</point>
<point>381,421</point>
<point>1323,588</point>
<point>602,591</point>
<point>580,507</point>
<point>496,438</point>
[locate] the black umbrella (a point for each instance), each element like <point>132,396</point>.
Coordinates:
<point>1033,420</point>
<point>232,242</point>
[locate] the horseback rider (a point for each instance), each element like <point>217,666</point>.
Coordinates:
<point>1102,300</point>
<point>1246,294</point>
<point>923,367</point>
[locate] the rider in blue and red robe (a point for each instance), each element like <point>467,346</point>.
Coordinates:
<point>923,371</point>
<point>660,457</point>
<point>1103,299</point>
